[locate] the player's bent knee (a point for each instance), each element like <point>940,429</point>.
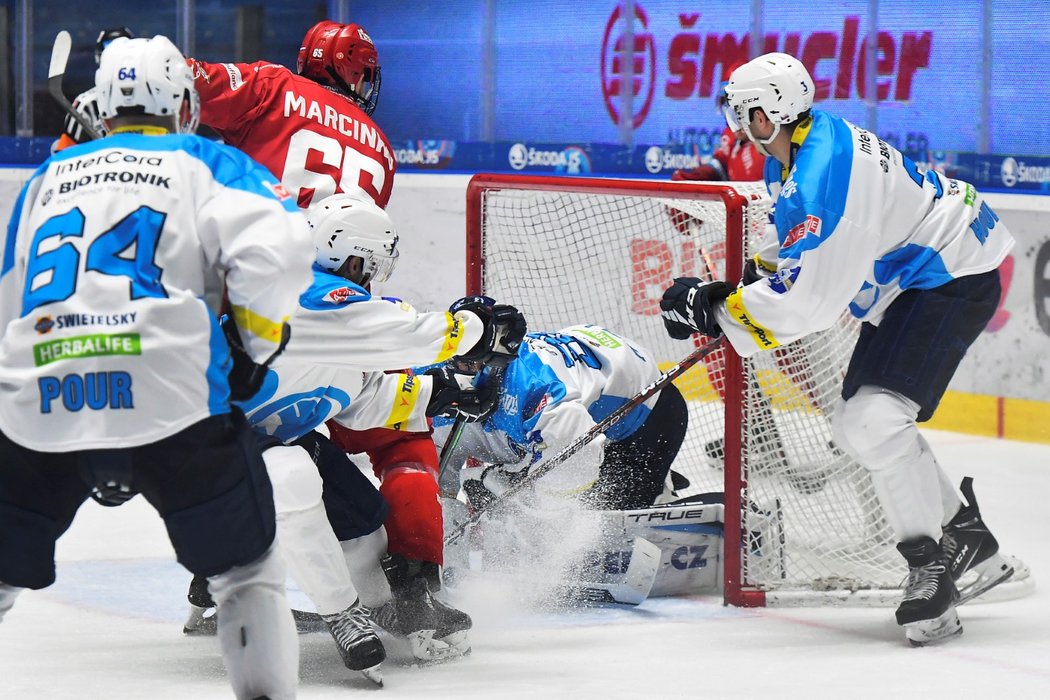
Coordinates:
<point>268,571</point>
<point>27,548</point>
<point>876,427</point>
<point>296,483</point>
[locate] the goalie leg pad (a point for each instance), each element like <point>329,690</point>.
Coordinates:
<point>619,575</point>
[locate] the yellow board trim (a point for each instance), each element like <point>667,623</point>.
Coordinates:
<point>404,402</point>
<point>257,325</point>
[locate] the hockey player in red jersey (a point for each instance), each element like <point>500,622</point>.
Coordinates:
<point>313,129</point>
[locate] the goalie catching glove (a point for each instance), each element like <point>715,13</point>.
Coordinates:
<point>504,329</point>
<point>454,396</point>
<point>688,306</point>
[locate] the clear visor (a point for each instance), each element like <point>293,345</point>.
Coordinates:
<point>731,117</point>
<point>380,267</point>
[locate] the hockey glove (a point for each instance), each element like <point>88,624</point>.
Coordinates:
<point>453,395</point>
<point>688,306</point>
<point>702,172</point>
<point>246,376</point>
<point>505,328</point>
<point>753,272</point>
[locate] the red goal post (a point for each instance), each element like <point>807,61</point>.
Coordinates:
<point>802,523</point>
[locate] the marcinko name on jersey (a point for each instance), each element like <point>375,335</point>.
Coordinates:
<point>327,116</point>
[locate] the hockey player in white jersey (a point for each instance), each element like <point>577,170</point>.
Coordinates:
<point>558,386</point>
<point>333,368</point>
<point>914,255</point>
<point>114,372</point>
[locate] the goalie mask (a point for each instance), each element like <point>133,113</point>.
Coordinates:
<point>345,227</point>
<point>342,56</point>
<point>147,76</point>
<point>776,83</point>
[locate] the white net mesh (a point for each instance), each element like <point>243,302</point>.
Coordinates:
<point>567,257</point>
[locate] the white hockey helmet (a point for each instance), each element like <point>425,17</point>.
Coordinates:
<point>776,83</point>
<point>346,226</point>
<point>147,76</point>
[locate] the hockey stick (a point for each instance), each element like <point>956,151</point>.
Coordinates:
<point>450,445</point>
<point>576,445</point>
<point>56,72</point>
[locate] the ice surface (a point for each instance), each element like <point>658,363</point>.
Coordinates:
<point>111,627</point>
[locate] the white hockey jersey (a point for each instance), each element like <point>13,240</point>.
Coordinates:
<point>856,222</point>
<point>343,339</point>
<point>112,274</point>
<point>560,385</point>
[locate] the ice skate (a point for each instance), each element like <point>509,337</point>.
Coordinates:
<point>203,619</point>
<point>927,610</point>
<point>972,551</point>
<point>435,631</point>
<point>357,642</point>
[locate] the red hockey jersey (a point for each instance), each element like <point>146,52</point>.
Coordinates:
<point>315,140</point>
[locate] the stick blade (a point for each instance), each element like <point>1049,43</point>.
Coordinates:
<point>60,54</point>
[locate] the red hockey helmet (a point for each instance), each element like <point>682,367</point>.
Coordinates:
<point>342,56</point>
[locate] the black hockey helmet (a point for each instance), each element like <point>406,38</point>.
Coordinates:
<point>108,35</point>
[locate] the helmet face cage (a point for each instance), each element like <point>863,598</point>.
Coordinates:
<point>345,226</point>
<point>342,56</point>
<point>147,76</point>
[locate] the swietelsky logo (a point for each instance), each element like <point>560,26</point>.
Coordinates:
<point>642,68</point>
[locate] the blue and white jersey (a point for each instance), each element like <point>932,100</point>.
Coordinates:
<point>343,340</point>
<point>112,273</point>
<point>856,223</point>
<point>559,386</point>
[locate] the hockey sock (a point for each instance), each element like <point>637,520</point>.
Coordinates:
<point>877,427</point>
<point>414,526</point>
<point>310,548</point>
<point>256,632</point>
<point>363,555</point>
<point>7,598</point>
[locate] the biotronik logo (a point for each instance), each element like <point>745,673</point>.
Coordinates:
<point>641,68</point>
<point>694,60</point>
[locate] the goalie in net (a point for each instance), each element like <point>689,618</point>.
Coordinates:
<point>842,200</point>
<point>590,528</point>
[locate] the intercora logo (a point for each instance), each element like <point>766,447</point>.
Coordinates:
<point>695,59</point>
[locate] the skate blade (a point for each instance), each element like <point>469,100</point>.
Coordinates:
<point>936,631</point>
<point>201,623</point>
<point>987,575</point>
<point>373,674</point>
<point>426,648</point>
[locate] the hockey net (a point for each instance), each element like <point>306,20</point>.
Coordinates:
<point>803,525</point>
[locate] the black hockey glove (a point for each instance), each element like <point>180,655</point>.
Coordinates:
<point>453,396</point>
<point>246,376</point>
<point>112,494</point>
<point>754,273</point>
<point>505,327</point>
<point>688,306</point>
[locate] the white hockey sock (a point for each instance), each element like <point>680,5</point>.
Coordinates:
<point>310,548</point>
<point>949,495</point>
<point>877,427</point>
<point>7,598</point>
<point>256,632</point>
<point>362,556</point>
